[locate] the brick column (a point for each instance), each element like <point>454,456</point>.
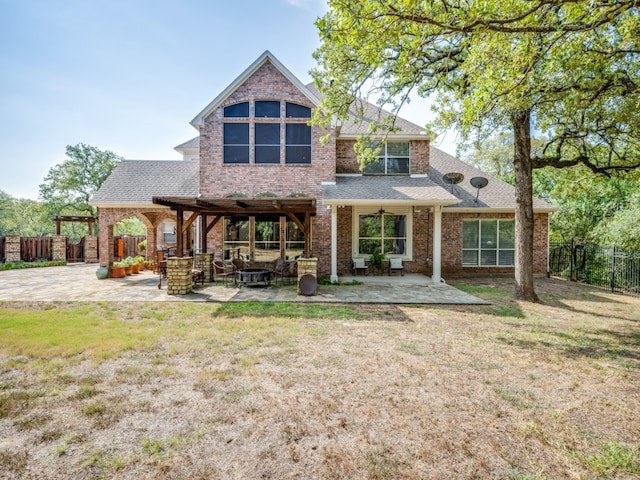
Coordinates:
<point>179,275</point>
<point>204,262</point>
<point>12,248</point>
<point>91,249</point>
<point>59,247</point>
<point>307,266</point>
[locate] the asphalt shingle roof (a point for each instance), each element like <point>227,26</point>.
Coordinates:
<point>497,194</point>
<point>358,124</point>
<point>385,188</point>
<point>137,181</point>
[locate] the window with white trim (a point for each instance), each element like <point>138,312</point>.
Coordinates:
<point>168,232</point>
<point>488,243</point>
<point>388,232</point>
<point>393,159</point>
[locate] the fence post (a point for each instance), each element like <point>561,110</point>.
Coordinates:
<point>571,261</point>
<point>613,269</point>
<point>12,248</point>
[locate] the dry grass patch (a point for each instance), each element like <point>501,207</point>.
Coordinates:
<point>260,390</point>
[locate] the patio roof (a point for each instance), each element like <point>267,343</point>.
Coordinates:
<point>299,210</point>
<point>239,206</point>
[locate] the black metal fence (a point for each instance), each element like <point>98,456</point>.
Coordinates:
<point>608,268</point>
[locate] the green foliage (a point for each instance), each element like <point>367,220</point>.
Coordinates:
<point>130,226</point>
<point>69,185</point>
<point>24,217</point>
<point>569,70</point>
<point>36,264</point>
<point>376,260</point>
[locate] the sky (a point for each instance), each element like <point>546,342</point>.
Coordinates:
<point>129,75</point>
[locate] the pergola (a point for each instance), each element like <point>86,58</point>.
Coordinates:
<point>88,219</point>
<point>211,210</point>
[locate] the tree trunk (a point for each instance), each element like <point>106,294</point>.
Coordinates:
<point>521,122</point>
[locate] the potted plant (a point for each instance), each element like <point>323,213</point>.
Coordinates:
<point>127,263</point>
<point>138,264</point>
<point>116,270</point>
<point>376,261</point>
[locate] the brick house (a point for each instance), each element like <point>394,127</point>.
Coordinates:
<point>257,182</point>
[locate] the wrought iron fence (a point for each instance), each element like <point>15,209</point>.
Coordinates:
<point>609,268</point>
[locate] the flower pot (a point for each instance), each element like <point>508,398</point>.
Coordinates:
<point>128,270</point>
<point>135,268</point>
<point>117,272</point>
<point>102,273</point>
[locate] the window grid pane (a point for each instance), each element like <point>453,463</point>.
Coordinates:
<point>382,233</point>
<point>488,243</point>
<point>267,109</point>
<point>239,110</point>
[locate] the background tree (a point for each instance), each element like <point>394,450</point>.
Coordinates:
<point>24,217</point>
<point>568,69</point>
<point>69,185</point>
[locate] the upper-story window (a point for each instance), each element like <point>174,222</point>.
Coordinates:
<point>393,159</point>
<point>258,137</point>
<point>238,110</point>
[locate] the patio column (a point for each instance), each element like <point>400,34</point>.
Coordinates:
<point>334,243</point>
<point>437,244</point>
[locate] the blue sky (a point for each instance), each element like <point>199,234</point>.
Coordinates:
<point>129,75</point>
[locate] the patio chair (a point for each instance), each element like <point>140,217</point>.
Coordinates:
<point>290,270</point>
<point>395,264</point>
<point>360,264</point>
<point>239,264</point>
<point>223,271</point>
<point>278,269</point>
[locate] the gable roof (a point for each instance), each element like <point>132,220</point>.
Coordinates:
<point>136,182</point>
<point>358,122</point>
<point>193,144</point>
<point>267,56</point>
<point>497,195</point>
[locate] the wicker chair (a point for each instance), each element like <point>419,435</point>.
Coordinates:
<point>223,271</point>
<point>395,264</point>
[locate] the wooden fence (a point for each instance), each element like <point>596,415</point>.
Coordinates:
<point>126,245</point>
<point>35,248</point>
<point>75,251</point>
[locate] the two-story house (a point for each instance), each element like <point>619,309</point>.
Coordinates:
<point>259,183</point>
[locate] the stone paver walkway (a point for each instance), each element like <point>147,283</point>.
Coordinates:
<point>79,283</point>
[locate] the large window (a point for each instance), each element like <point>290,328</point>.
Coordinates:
<point>298,143</point>
<point>393,159</point>
<point>382,232</point>
<point>294,244</point>
<point>236,237</point>
<point>263,130</point>
<point>267,143</point>
<point>267,239</point>
<point>488,243</point>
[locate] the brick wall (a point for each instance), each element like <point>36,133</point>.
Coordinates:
<point>108,217</point>
<point>219,180</point>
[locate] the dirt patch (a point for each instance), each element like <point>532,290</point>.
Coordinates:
<point>509,390</point>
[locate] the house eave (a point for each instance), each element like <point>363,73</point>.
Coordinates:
<point>365,202</point>
<point>453,209</point>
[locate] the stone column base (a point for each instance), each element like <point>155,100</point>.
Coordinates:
<point>12,248</point>
<point>90,249</point>
<point>179,275</point>
<point>307,266</point>
<point>59,247</point>
<point>204,262</point>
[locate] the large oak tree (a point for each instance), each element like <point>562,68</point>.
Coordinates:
<point>568,68</point>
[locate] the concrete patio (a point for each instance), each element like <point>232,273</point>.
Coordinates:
<point>78,282</point>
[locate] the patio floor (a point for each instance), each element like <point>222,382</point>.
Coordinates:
<point>78,282</point>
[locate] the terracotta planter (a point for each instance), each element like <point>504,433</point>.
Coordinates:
<point>128,270</point>
<point>135,268</point>
<point>116,272</point>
